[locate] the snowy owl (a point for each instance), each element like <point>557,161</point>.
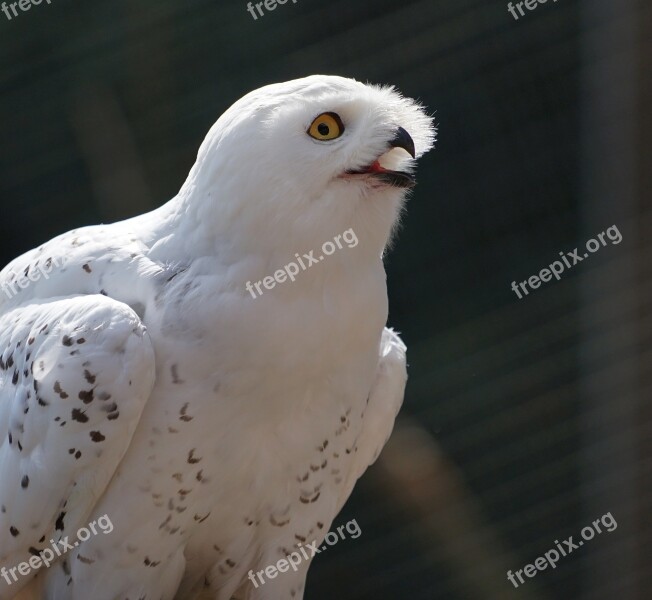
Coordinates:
<point>218,430</point>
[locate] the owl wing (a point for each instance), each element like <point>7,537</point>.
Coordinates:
<point>75,374</point>
<point>385,400</point>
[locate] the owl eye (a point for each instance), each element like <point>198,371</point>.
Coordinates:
<point>327,126</point>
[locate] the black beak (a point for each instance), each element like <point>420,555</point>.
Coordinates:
<point>404,140</point>
<point>399,179</point>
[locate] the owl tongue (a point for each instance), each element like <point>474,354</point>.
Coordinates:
<point>395,178</point>
<point>376,168</point>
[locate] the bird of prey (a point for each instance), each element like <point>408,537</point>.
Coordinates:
<point>216,429</point>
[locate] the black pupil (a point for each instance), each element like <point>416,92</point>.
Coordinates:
<point>323,129</point>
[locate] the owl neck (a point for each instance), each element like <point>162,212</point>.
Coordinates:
<point>203,223</point>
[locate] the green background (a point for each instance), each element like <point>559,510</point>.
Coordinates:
<point>538,408</point>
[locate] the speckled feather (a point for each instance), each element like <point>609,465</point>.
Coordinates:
<point>141,380</point>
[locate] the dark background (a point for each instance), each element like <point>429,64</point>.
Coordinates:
<point>525,420</point>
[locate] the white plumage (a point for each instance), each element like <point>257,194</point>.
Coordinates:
<point>141,380</point>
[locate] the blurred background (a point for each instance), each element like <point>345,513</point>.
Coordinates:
<point>525,419</point>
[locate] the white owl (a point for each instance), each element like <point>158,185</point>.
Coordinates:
<point>217,430</point>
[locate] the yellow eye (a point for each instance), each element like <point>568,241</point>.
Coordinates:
<point>327,126</point>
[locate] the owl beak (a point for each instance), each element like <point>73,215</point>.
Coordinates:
<point>404,140</point>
